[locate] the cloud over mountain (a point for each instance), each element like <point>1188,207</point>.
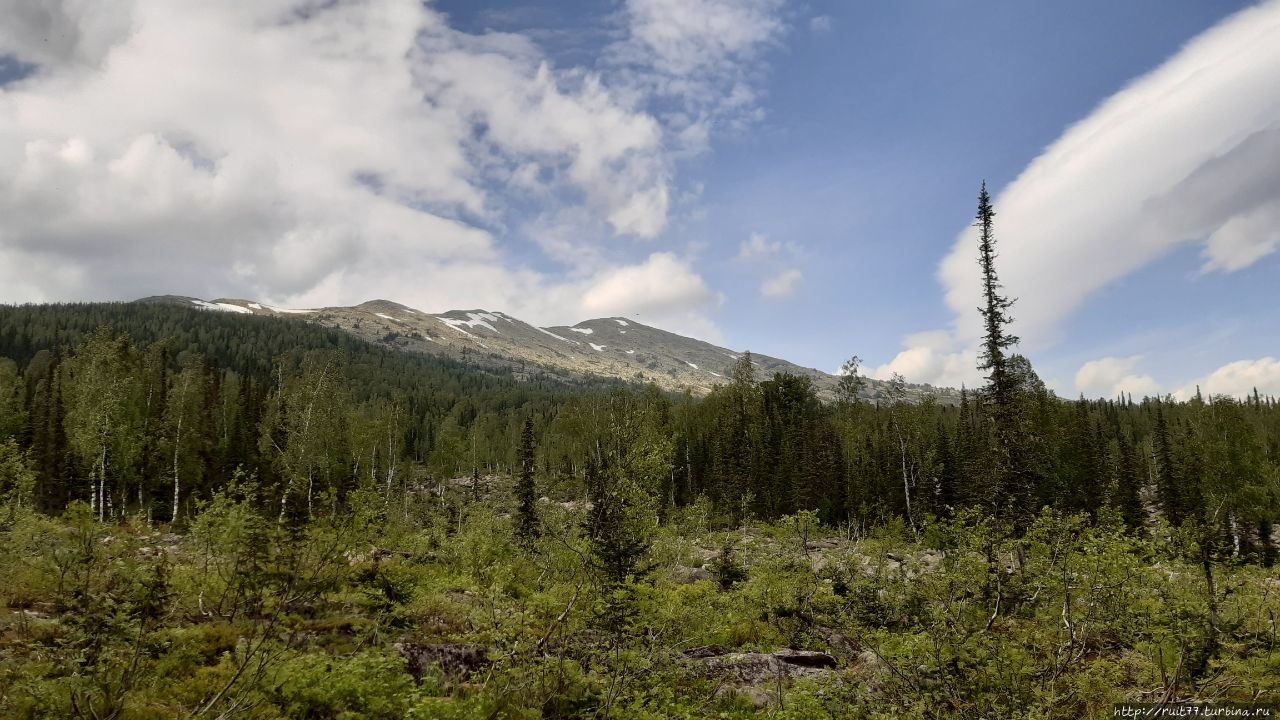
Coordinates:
<point>326,152</point>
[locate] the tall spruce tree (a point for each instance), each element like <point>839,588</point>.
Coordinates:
<point>1010,490</point>
<point>995,312</point>
<point>527,527</point>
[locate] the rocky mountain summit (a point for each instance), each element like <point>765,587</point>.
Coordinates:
<point>613,347</point>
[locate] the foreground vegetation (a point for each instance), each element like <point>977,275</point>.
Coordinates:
<point>244,616</point>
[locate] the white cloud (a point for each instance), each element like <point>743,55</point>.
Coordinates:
<point>782,284</point>
<point>703,55</point>
<point>67,33</point>
<point>1244,239</point>
<point>695,37</point>
<point>1185,154</point>
<point>819,24</point>
<point>758,247</point>
<point>1108,377</point>
<point>932,357</point>
<point>664,290</point>
<point>1238,379</point>
<point>305,152</point>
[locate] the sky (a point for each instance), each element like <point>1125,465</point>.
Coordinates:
<point>793,177</point>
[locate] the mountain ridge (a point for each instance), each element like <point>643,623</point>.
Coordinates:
<point>611,347</point>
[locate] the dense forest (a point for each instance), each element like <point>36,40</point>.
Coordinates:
<point>158,426</point>
<point>210,515</point>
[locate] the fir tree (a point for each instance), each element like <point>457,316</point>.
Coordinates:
<point>1009,474</point>
<point>527,526</point>
<point>1126,495</point>
<point>619,540</point>
<point>1167,482</point>
<point>995,313</point>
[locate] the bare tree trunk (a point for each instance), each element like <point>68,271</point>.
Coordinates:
<point>391,463</point>
<point>1206,564</point>
<point>284,497</point>
<point>102,484</point>
<point>906,475</point>
<point>177,440</point>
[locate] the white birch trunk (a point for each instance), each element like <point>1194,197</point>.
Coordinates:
<point>177,440</point>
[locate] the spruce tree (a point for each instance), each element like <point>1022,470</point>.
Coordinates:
<point>527,526</point>
<point>618,532</point>
<point>1126,495</point>
<point>1010,493</point>
<point>1167,481</point>
<point>995,313</point>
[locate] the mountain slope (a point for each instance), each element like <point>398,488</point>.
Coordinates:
<point>603,347</point>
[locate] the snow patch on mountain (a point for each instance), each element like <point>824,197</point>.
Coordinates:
<point>584,331</point>
<point>620,321</point>
<point>686,362</point>
<point>545,331</point>
<point>456,325</point>
<point>222,307</point>
<point>597,348</point>
<point>473,321</point>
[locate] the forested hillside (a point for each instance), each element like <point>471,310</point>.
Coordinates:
<point>110,383</point>
<point>230,516</point>
<point>100,391</point>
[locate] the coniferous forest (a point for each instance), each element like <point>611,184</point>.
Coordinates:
<point>208,515</point>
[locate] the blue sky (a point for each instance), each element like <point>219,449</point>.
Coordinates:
<point>793,178</point>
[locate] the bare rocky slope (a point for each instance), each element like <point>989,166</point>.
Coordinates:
<point>605,347</point>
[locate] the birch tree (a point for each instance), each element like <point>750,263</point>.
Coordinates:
<point>101,379</point>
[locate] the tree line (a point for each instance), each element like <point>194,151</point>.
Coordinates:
<point>156,415</point>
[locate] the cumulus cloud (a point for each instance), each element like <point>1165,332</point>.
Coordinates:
<point>782,284</point>
<point>1183,155</point>
<point>932,357</point>
<point>71,32</point>
<point>311,153</point>
<point>1111,376</point>
<point>1238,379</point>
<point>663,290</point>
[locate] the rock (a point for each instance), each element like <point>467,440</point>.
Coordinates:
<point>760,697</point>
<point>702,652</point>
<point>839,642</point>
<point>756,668</point>
<point>705,555</point>
<point>822,544</point>
<point>689,576</point>
<point>455,661</point>
<point>806,658</point>
<point>867,661</point>
<point>932,559</point>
